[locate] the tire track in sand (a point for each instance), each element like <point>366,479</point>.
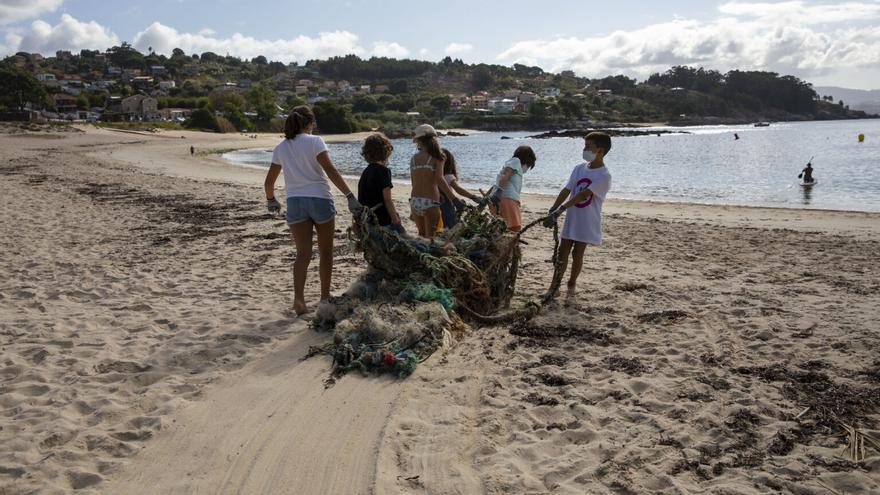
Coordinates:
<point>270,428</point>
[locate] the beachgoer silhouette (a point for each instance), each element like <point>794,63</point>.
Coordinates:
<point>807,173</point>
<point>735,136</point>
<point>192,151</point>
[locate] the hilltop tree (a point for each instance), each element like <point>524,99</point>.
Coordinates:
<point>767,90</point>
<point>682,76</point>
<point>482,77</point>
<point>126,57</point>
<point>617,84</point>
<point>209,57</point>
<point>525,71</point>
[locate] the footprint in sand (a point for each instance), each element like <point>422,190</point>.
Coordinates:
<point>80,480</point>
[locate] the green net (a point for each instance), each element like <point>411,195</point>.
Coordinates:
<point>407,304</point>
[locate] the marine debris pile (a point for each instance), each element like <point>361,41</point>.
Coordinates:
<point>417,294</point>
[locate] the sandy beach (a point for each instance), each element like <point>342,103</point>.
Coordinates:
<point>148,345</point>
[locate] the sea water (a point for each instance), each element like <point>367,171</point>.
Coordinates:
<point>702,164</point>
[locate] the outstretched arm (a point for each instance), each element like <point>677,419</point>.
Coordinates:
<point>464,192</point>
<point>332,173</point>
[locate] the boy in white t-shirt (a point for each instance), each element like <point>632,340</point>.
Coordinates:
<point>585,192</point>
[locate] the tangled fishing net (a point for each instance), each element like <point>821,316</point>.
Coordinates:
<point>417,293</point>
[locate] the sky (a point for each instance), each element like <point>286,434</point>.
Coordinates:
<point>825,43</point>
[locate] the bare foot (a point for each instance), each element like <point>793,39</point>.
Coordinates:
<point>300,307</point>
<point>570,296</point>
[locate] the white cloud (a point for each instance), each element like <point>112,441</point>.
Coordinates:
<point>68,34</point>
<point>13,41</point>
<point>458,48</point>
<point>391,50</point>
<point>802,13</point>
<point>164,39</point>
<point>71,34</point>
<point>424,52</point>
<point>790,37</point>
<point>16,10</point>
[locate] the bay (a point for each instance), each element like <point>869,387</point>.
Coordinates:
<point>703,164</point>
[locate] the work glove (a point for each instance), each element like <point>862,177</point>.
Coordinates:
<point>550,221</point>
<point>459,204</point>
<point>480,201</point>
<point>495,195</point>
<point>273,206</point>
<point>396,227</point>
<point>353,205</point>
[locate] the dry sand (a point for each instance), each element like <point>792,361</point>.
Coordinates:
<point>147,346</point>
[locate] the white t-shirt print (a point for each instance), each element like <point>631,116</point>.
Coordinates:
<point>303,175</point>
<point>583,221</point>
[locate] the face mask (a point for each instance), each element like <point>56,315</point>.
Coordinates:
<point>589,155</point>
<point>526,169</point>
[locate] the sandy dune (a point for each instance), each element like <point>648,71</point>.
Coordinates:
<point>146,346</point>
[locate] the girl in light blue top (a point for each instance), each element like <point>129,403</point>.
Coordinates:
<point>505,194</point>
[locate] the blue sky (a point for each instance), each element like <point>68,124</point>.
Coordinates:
<point>827,43</point>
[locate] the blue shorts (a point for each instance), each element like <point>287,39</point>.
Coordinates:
<point>318,210</point>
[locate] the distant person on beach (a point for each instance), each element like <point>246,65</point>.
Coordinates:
<point>192,151</point>
<point>374,186</point>
<point>807,173</point>
<point>585,192</point>
<point>450,175</point>
<point>504,196</point>
<point>735,136</point>
<point>426,173</point>
<point>308,171</point>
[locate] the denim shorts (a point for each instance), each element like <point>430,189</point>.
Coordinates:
<point>318,210</point>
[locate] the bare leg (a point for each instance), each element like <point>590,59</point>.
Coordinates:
<point>577,262</point>
<point>430,218</point>
<point>302,240</point>
<point>419,220</point>
<point>325,255</point>
<point>565,246</point>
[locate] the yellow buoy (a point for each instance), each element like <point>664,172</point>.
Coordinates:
<point>861,138</point>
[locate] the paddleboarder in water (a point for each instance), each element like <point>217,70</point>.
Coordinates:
<point>807,173</point>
